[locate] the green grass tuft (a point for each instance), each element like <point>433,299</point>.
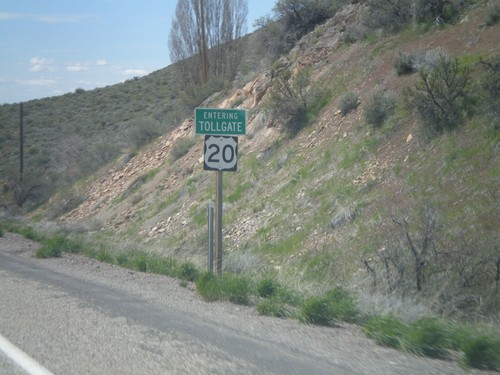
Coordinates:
<point>483,352</point>
<point>208,287</point>
<point>188,272</point>
<point>274,307</point>
<point>53,247</point>
<point>386,330</point>
<point>267,287</point>
<point>23,230</point>
<point>228,287</point>
<point>429,337</point>
<point>330,308</point>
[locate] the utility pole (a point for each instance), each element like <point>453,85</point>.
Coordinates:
<point>203,43</point>
<point>21,144</point>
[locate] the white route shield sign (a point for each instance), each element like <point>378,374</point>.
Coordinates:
<point>221,153</point>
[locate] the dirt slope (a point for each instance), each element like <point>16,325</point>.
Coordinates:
<point>315,206</point>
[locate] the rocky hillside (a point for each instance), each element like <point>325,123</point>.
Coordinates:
<point>340,202</point>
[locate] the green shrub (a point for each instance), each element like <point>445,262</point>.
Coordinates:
<point>1,231</point>
<point>51,248</point>
<point>29,233</point>
<point>396,15</point>
<point>289,297</point>
<point>235,288</point>
<point>140,263</point>
<point>54,247</point>
<point>188,272</point>
<point>390,16</point>
<point>405,64</point>
<point>181,148</point>
<point>316,310</point>
<point>429,337</point>
<point>300,17</point>
<point>25,231</point>
<point>104,256</point>
<point>289,100</point>
<point>442,96</point>
<point>342,305</point>
<point>229,287</point>
<point>291,20</point>
<point>318,98</point>
<point>48,251</point>
<point>159,265</point>
<point>386,330</point>
<point>144,262</point>
<point>433,337</point>
<point>122,260</point>
<point>273,307</point>
<point>334,306</point>
<point>490,82</point>
<point>493,16</point>
<point>267,287</point>
<point>483,352</point>
<point>460,335</point>
<point>194,94</point>
<point>378,108</point>
<point>348,103</point>
<point>207,286</point>
<point>142,131</point>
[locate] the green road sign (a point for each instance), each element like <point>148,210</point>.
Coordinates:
<point>214,121</point>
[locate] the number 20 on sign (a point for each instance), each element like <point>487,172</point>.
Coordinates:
<point>220,153</point>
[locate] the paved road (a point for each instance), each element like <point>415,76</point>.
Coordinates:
<point>77,316</point>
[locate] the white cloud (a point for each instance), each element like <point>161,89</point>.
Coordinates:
<point>36,82</point>
<point>134,72</point>
<point>8,16</point>
<point>46,18</point>
<point>39,64</point>
<point>101,62</point>
<point>76,68</point>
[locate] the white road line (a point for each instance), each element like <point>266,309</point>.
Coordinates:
<point>21,358</point>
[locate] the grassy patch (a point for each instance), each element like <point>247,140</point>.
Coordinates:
<point>199,214</point>
<point>329,309</point>
<point>228,287</point>
<point>181,148</point>
<point>432,337</point>
<point>274,307</point>
<point>386,330</point>
<point>267,287</point>
<point>208,287</point>
<point>483,352</point>
<point>319,267</point>
<point>275,299</point>
<point>286,245</point>
<point>188,272</point>
<point>429,337</point>
<point>348,103</point>
<point>138,182</point>
<point>238,192</point>
<point>23,230</point>
<point>54,247</point>
<point>320,98</point>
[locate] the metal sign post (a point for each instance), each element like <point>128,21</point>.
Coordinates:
<point>210,236</point>
<point>220,126</point>
<point>218,222</point>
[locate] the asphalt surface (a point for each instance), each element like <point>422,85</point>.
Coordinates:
<point>77,316</point>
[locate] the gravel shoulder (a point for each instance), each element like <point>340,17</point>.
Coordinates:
<point>344,349</point>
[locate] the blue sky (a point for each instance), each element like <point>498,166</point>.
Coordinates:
<point>51,47</point>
